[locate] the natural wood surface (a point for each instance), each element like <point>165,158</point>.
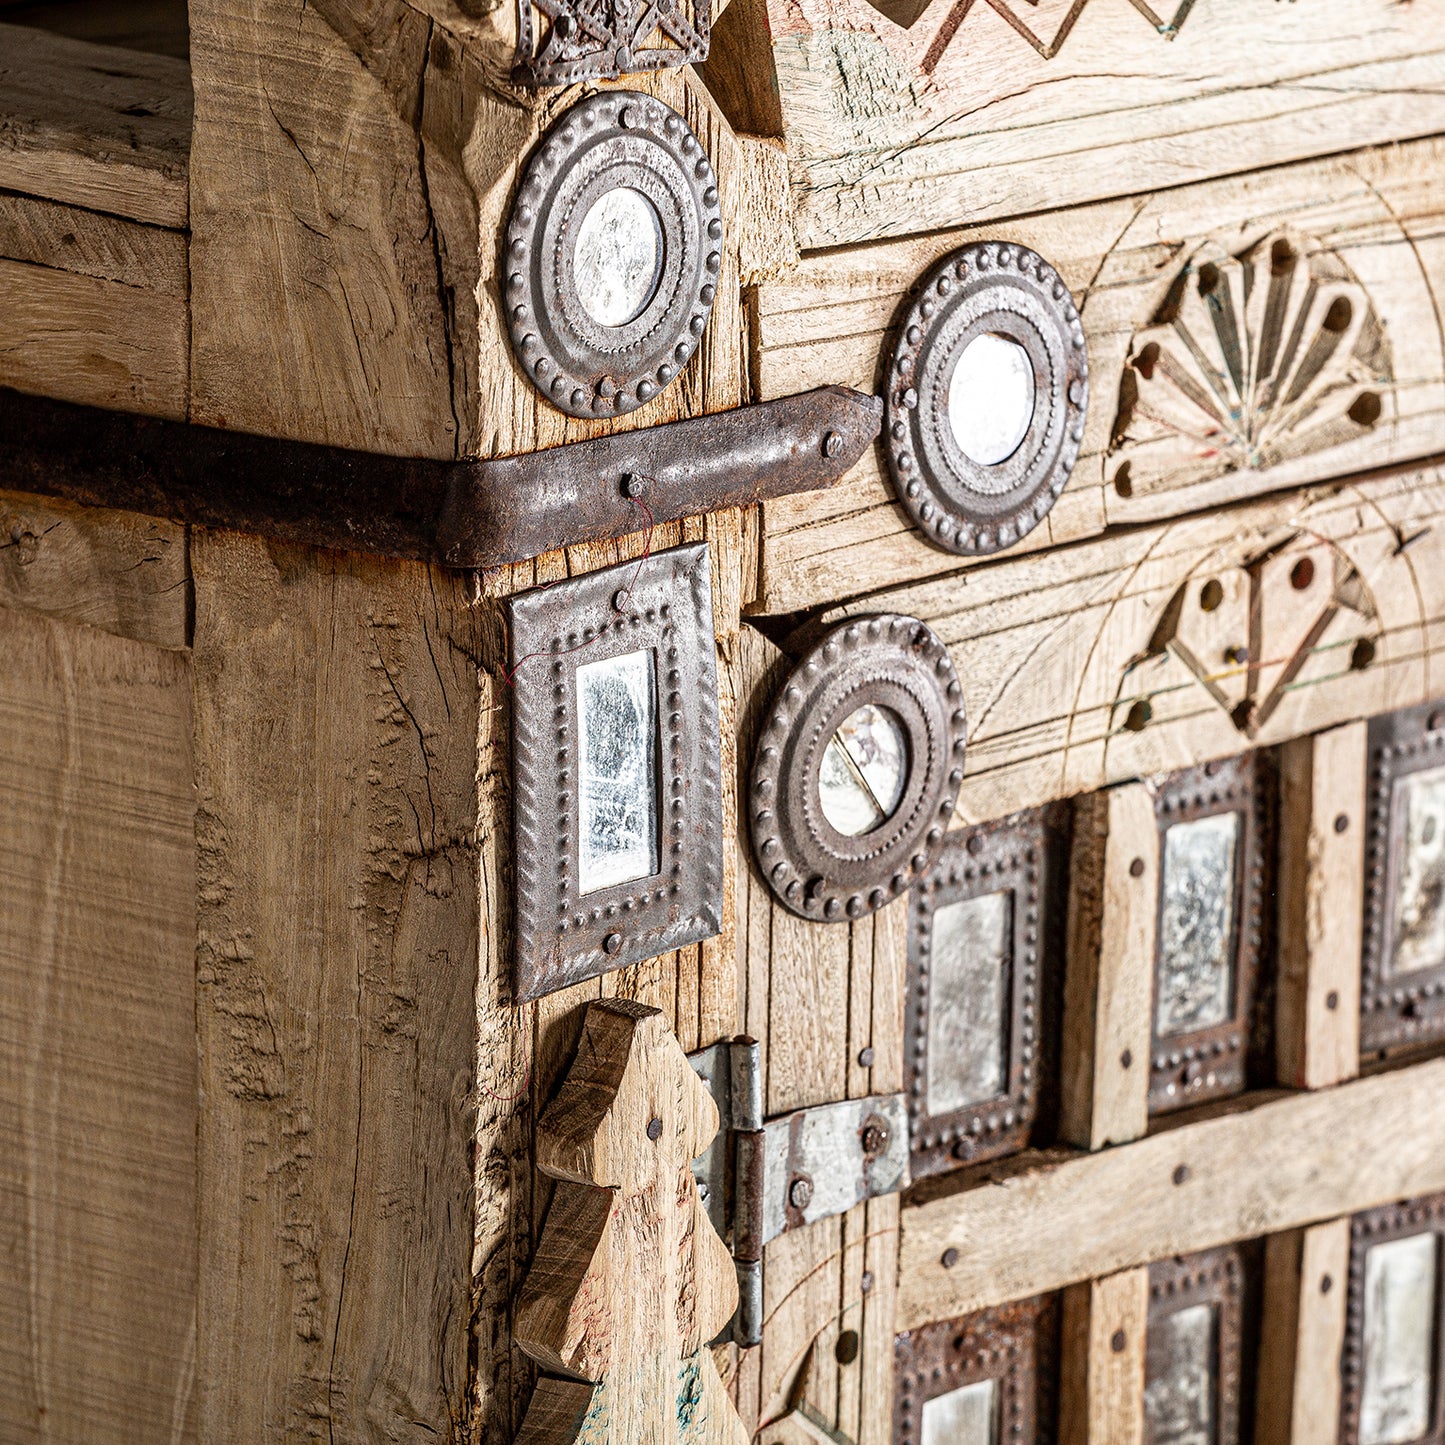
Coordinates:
<point>113,570</point>
<point>1306,1289</point>
<point>1105,1326</point>
<point>1075,664</point>
<point>1321,906</point>
<point>94,125</point>
<point>832,320</point>
<point>1262,1167</point>
<point>998,109</point>
<point>97,1039</point>
<point>1109,978</point>
<point>630,1280</point>
<point>336,726</point>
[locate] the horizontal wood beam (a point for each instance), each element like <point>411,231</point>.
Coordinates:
<point>1267,1166</point>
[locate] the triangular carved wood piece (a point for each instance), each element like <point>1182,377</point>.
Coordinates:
<point>630,1280</point>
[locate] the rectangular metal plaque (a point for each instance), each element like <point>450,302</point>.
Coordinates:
<point>965,1416</point>
<point>1196,966</point>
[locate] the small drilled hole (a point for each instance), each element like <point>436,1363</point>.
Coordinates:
<point>1332,1000</point>
<point>1302,574</point>
<point>1342,822</point>
<point>1339,315</point>
<point>1118,1341</point>
<point>1139,716</point>
<point>1362,654</point>
<point>1147,360</point>
<point>1181,1174</point>
<point>1136,868</point>
<point>1123,481</point>
<point>1365,409</point>
<point>1211,595</point>
<point>1126,1059</point>
<point>1208,278</point>
<point>1281,255</point>
<point>846,1350</point>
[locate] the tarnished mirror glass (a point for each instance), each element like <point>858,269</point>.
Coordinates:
<point>1180,1384</point>
<point>863,771</point>
<point>1419,813</point>
<point>617,260</point>
<point>1400,1290</point>
<point>991,398</point>
<point>1196,974</point>
<point>966,1416</point>
<point>967,1012</point>
<point>617,787</point>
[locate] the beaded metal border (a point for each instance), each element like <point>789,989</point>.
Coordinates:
<point>663,603</point>
<point>1396,1014</point>
<point>1014,1344</point>
<point>1210,1063</point>
<point>1012,854</point>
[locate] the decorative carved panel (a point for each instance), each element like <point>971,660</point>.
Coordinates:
<point>560,42</point>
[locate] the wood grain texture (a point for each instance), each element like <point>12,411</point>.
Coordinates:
<point>1109,977</point>
<point>116,571</point>
<point>1306,1287</point>
<point>998,109</point>
<point>94,125</point>
<point>1321,906</point>
<point>1072,666</point>
<point>97,1039</point>
<point>832,319</point>
<point>1105,1325</point>
<point>1044,1223</point>
<point>336,727</point>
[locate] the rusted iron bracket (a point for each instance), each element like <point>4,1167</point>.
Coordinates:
<point>761,1178</point>
<point>466,514</point>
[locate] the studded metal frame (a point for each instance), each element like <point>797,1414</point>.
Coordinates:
<point>959,504</point>
<point>896,663</point>
<point>1212,1063</point>
<point>1214,1277</point>
<point>1021,855</point>
<point>1016,1345</point>
<point>617,138</point>
<point>1425,1215</point>
<point>1405,1013</point>
<point>602,42</point>
<point>663,603</point>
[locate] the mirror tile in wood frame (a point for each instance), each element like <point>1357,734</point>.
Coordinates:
<point>1393,1364</point>
<point>615,727</point>
<point>982,1379</point>
<point>1213,875</point>
<point>1402,993</point>
<point>983,938</point>
<point>1193,1352</point>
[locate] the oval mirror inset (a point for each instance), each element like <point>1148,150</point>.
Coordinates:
<point>618,257</point>
<point>863,771</point>
<point>991,398</point>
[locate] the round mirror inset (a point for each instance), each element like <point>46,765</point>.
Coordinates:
<point>617,259</point>
<point>864,768</point>
<point>991,398</point>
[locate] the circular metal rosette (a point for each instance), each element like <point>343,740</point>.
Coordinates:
<point>612,254</point>
<point>987,392</point>
<point>858,764</point>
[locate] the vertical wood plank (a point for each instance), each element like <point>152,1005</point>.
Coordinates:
<point>1321,904</point>
<point>1306,1287</point>
<point>1109,981</point>
<point>97,1038</point>
<point>1102,1394</point>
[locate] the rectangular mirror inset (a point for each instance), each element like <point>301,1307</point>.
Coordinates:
<point>617,787</point>
<point>966,1416</point>
<point>1196,978</point>
<point>967,1016</point>
<point>1180,1384</point>
<point>1399,1329</point>
<point>1419,902</point>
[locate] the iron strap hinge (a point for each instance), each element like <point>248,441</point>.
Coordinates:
<point>760,1178</point>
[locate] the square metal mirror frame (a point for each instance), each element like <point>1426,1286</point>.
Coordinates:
<point>1015,1345</point>
<point>1396,1013</point>
<point>661,605</point>
<point>1192,1067</point>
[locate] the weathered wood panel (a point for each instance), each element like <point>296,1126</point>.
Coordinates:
<point>1376,214</point>
<point>1106,1322</point>
<point>97,1038</point>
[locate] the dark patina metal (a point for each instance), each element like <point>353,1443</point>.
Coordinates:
<point>1214,1278</point>
<point>1425,1215</point>
<point>1014,1345</point>
<point>578,41</point>
<point>662,603</point>
<point>1019,856</point>
<point>618,138</point>
<point>1398,1011</point>
<point>468,513</point>
<point>1212,1063</point>
<point>893,662</point>
<point>959,504</point>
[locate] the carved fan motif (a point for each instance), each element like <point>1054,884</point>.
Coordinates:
<point>560,42</point>
<point>1255,359</point>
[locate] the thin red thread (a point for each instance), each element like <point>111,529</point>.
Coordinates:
<point>617,605</point>
<point>511,1098</point>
